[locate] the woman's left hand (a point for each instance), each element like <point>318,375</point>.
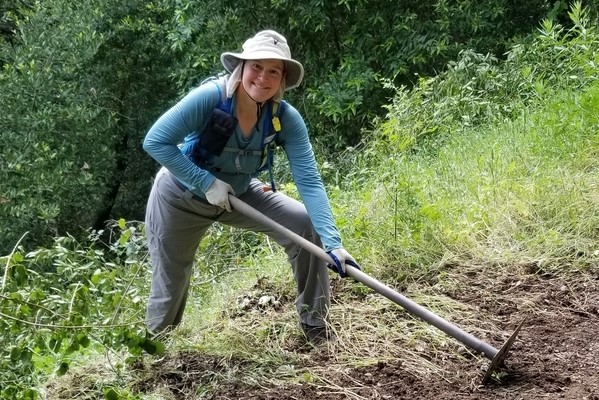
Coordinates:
<point>341,257</point>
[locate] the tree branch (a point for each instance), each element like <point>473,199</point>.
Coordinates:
<point>28,303</point>
<point>38,325</point>
<point>8,262</point>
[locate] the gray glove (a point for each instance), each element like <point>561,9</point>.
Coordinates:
<point>218,194</point>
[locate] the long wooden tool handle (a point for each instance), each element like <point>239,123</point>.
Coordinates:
<point>475,344</point>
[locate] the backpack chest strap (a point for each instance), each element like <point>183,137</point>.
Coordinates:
<point>242,153</point>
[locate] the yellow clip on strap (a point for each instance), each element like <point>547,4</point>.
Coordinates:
<point>276,123</point>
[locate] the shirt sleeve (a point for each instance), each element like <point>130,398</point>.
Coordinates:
<point>296,142</point>
<point>188,117</point>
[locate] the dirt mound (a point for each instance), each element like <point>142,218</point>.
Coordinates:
<point>554,356</point>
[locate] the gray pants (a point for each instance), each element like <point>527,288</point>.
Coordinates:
<point>175,224</point>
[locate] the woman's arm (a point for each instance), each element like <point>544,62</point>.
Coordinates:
<point>188,117</point>
<point>295,140</point>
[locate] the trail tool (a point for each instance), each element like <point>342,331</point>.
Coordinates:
<point>497,356</point>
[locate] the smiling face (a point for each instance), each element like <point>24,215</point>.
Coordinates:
<point>262,78</point>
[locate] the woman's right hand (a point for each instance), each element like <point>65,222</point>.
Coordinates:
<point>218,194</point>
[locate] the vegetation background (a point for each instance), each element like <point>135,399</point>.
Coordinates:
<point>444,131</point>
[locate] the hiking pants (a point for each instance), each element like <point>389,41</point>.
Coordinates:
<point>175,224</point>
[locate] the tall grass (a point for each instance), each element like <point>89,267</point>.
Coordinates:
<point>492,162</point>
<point>518,191</point>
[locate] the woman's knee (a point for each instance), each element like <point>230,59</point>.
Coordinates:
<point>302,225</point>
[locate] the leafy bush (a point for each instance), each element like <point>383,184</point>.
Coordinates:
<point>477,88</point>
<point>348,46</point>
<point>59,301</point>
<point>467,163</point>
<point>76,104</point>
<point>50,173</point>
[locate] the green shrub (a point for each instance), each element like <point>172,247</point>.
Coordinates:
<point>73,297</point>
<point>479,163</point>
<point>477,89</point>
<point>76,104</point>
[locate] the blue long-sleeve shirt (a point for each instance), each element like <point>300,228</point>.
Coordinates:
<point>189,117</point>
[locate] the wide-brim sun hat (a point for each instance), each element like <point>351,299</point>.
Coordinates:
<point>267,45</point>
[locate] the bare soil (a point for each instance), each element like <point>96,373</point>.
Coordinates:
<point>555,356</point>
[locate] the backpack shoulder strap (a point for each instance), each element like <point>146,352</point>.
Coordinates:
<point>269,140</point>
<point>276,112</point>
<point>221,84</point>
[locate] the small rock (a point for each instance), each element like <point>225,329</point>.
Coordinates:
<point>265,300</point>
<point>244,303</point>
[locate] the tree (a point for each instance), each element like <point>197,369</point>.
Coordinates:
<point>83,81</point>
<point>80,84</point>
<point>346,46</point>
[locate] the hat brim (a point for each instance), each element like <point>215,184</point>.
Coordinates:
<point>294,71</point>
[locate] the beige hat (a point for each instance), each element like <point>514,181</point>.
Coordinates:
<point>267,45</point>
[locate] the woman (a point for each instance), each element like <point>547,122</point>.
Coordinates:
<point>220,153</point>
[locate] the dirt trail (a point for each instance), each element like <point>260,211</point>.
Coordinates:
<point>556,355</point>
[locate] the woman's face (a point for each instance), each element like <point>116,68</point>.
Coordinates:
<point>262,78</point>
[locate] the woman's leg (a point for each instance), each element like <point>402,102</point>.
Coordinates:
<point>175,224</point>
<point>310,272</point>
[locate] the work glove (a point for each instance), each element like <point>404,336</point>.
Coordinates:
<point>341,257</point>
<point>218,194</point>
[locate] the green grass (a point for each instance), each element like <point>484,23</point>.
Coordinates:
<point>513,191</point>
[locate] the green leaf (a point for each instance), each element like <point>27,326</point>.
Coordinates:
<point>15,354</point>
<point>125,237</point>
<point>73,347</point>
<point>111,394</point>
<point>24,310</point>
<point>121,223</point>
<point>159,347</point>
<point>131,360</point>
<point>83,340</point>
<point>40,343</point>
<point>97,276</point>
<point>153,347</point>
<point>17,257</point>
<point>26,356</point>
<point>30,394</point>
<point>63,368</point>
<point>55,344</point>
<point>20,274</point>
<point>148,346</point>
<point>37,294</point>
